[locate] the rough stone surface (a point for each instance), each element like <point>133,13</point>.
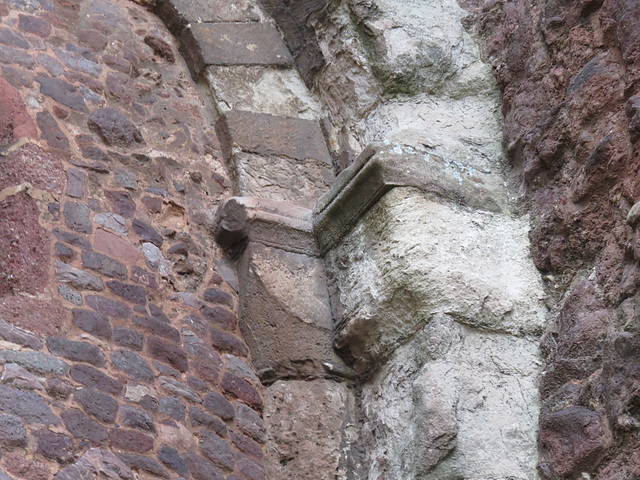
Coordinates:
<point>443,271</point>
<point>103,264</point>
<point>132,364</point>
<point>100,405</point>
<point>94,378</point>
<point>36,362</point>
<point>83,428</point>
<point>270,135</point>
<point>76,217</point>
<point>114,128</point>
<point>178,13</point>
<point>262,90</point>
<point>284,298</point>
<point>308,424</point>
<point>12,432</point>
<point>205,44</point>
<point>97,462</point>
<point>93,323</point>
<point>29,406</point>
<point>76,351</point>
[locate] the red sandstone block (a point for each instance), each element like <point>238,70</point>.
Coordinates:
<point>115,247</point>
<point>265,134</point>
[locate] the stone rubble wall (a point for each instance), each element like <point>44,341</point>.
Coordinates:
<point>120,352</point>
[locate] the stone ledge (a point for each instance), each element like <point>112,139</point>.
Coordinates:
<point>205,44</point>
<point>270,135</point>
<point>240,220</point>
<point>381,168</point>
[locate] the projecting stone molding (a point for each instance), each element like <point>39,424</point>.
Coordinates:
<point>438,306</point>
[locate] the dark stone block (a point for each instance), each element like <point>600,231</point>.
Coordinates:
<point>103,264</point>
<point>107,306</point>
<point>216,450</point>
<point>207,44</point>
<point>55,446</point>
<point>157,327</point>
<point>77,278</point>
<point>114,128</point>
<point>246,445</point>
<point>72,239</point>
<point>94,378</point>
<point>58,389</point>
<point>249,468</point>
<point>132,364</point>
<point>249,422</point>
<point>219,405</point>
<point>100,405</point>
<point>130,440</point>
<point>76,351</point>
<point>13,434</point>
<point>93,323</point>
<point>220,316</point>
<point>215,295</point>
<point>140,275</point>
<point>131,293</point>
<point>228,343</point>
<point>29,406</point>
<point>173,407</point>
<point>35,25</point>
<point>201,469</point>
<point>63,252</point>
<point>63,92</point>
<point>144,464</point>
<point>241,389</point>
<point>126,337</point>
<point>13,39</point>
<point>121,202</point>
<point>52,133</point>
<point>172,459</point>
<point>75,182</point>
<point>200,418</point>
<point>146,232</point>
<point>136,418</point>
<point>76,217</point>
<point>10,55</point>
<point>13,334</point>
<point>82,427</point>
<point>167,353</point>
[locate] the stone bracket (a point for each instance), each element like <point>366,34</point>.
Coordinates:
<point>382,167</point>
<point>240,220</point>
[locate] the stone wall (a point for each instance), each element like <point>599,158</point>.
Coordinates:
<point>384,323</point>
<point>120,351</point>
<point>569,76</point>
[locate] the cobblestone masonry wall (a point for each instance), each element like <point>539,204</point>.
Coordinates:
<point>120,352</point>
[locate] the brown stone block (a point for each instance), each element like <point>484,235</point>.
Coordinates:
<point>177,14</point>
<point>207,44</point>
<point>270,135</point>
<point>285,315</point>
<point>130,440</point>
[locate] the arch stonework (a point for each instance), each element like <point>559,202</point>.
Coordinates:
<point>379,239</point>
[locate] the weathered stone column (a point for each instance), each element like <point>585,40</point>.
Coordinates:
<point>438,304</point>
